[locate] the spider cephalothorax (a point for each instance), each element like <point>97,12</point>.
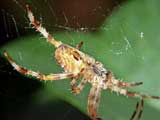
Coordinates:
<point>77,64</point>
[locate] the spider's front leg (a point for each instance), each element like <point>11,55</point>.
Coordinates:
<point>131,93</point>
<point>136,95</point>
<point>121,84</point>
<point>126,84</point>
<point>36,74</point>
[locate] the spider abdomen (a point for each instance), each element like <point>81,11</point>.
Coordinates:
<point>69,59</point>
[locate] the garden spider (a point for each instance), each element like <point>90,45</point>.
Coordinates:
<point>77,64</point>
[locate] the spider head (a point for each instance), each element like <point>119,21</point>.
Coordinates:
<point>99,69</point>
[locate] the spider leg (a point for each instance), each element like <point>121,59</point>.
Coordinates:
<point>120,83</point>
<point>42,30</point>
<point>93,102</point>
<point>76,90</point>
<point>72,83</point>
<point>126,84</point>
<point>79,45</point>
<point>141,109</point>
<point>130,93</point>
<point>36,74</point>
<point>135,111</point>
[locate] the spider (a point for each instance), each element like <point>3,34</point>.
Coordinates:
<point>77,64</point>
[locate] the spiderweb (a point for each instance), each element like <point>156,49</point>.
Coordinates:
<point>126,42</point>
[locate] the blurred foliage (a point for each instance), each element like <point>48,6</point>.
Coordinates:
<point>127,44</point>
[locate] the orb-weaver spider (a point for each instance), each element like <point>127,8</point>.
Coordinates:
<point>77,64</point>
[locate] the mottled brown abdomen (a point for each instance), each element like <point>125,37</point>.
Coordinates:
<point>69,59</point>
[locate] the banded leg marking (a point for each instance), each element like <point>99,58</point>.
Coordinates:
<point>42,30</point>
<point>131,94</point>
<point>93,102</point>
<point>135,111</point>
<point>140,106</point>
<point>79,45</point>
<point>126,84</point>
<point>36,74</point>
<point>76,90</point>
<point>141,110</point>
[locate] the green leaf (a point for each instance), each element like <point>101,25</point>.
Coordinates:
<point>127,44</point>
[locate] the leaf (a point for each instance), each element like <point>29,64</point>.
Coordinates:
<point>127,44</point>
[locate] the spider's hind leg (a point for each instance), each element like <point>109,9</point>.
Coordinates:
<point>39,27</point>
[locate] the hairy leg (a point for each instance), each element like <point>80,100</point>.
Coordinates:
<point>131,93</point>
<point>36,74</point>
<point>126,84</point>
<point>42,30</point>
<point>76,90</point>
<point>119,83</point>
<point>93,102</point>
